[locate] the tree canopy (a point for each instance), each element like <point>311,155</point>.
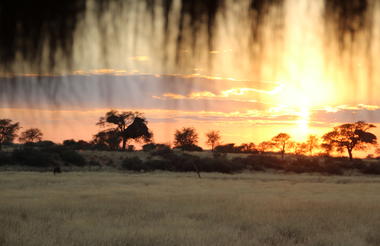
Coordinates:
<point>31,135</point>
<point>281,141</point>
<point>186,139</point>
<point>122,126</point>
<point>8,131</point>
<point>213,138</point>
<point>350,136</point>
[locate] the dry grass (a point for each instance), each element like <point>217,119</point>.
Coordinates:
<point>108,208</point>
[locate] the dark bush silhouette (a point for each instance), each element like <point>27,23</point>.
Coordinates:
<point>77,145</point>
<point>34,157</point>
<point>149,147</point>
<point>189,147</point>
<point>155,147</point>
<point>372,168</point>
<point>134,164</point>
<point>226,148</point>
<point>72,157</point>
<point>5,158</point>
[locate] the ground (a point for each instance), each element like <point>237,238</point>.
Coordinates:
<point>115,208</point>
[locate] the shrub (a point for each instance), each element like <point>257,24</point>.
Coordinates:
<point>149,147</point>
<point>190,147</point>
<point>5,158</point>
<point>372,168</point>
<point>134,164</point>
<point>34,157</point>
<point>130,148</point>
<point>44,144</point>
<point>226,148</point>
<point>165,152</point>
<point>164,165</point>
<point>72,157</point>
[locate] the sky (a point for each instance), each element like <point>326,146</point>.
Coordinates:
<point>297,81</point>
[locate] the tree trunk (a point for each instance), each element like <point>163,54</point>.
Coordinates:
<point>124,143</point>
<point>350,153</point>
<point>283,152</point>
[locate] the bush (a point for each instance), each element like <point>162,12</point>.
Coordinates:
<point>134,164</point>
<point>5,158</point>
<point>190,147</point>
<point>226,148</point>
<point>164,165</point>
<point>34,157</point>
<point>72,157</point>
<point>44,144</point>
<point>164,152</point>
<point>372,168</point>
<point>149,147</point>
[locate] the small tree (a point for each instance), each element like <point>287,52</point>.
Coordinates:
<point>213,138</point>
<point>351,136</point>
<point>185,137</point>
<point>264,146</point>
<point>8,131</point>
<point>312,143</point>
<point>31,135</point>
<point>300,148</point>
<point>281,141</point>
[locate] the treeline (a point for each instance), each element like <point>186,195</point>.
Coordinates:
<point>119,129</point>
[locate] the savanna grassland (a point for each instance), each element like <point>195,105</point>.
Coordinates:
<point>161,208</point>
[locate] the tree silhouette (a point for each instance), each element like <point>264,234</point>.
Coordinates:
<point>7,131</point>
<point>31,135</point>
<point>351,136</point>
<point>247,148</point>
<point>264,146</point>
<point>281,141</point>
<point>300,148</point>
<point>213,138</point>
<point>109,139</point>
<point>126,125</point>
<point>185,138</point>
<point>312,143</point>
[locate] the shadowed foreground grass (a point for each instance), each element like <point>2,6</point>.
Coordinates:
<point>89,208</point>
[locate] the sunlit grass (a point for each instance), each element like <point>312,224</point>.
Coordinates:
<point>104,208</point>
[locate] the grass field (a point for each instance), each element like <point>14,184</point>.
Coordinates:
<point>113,208</point>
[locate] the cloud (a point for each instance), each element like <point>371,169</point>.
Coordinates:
<point>233,94</point>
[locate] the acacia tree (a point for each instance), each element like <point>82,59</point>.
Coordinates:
<point>312,143</point>
<point>213,138</point>
<point>281,141</point>
<point>185,138</point>
<point>350,136</point>
<point>125,126</point>
<point>31,135</point>
<point>8,131</point>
